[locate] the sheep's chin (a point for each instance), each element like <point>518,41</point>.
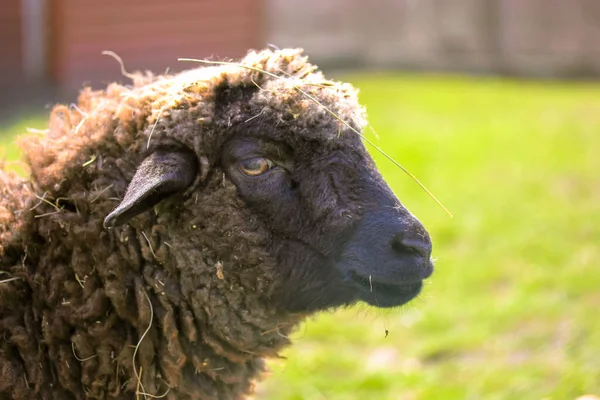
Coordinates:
<point>386,295</point>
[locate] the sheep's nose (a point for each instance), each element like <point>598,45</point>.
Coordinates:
<point>412,243</point>
<point>389,248</point>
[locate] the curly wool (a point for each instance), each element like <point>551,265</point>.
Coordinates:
<point>187,293</point>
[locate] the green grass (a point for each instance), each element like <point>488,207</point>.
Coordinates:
<point>512,309</point>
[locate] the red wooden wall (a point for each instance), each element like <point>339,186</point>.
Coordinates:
<point>11,57</point>
<point>147,34</point>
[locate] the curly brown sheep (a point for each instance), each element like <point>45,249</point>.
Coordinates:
<point>173,232</point>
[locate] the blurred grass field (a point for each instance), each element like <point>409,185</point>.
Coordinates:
<point>513,308</point>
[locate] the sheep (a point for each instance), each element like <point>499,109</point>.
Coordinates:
<point>173,232</point>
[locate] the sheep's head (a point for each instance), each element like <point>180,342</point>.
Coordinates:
<point>307,193</point>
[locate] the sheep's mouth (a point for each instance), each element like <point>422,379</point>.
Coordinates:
<point>382,294</point>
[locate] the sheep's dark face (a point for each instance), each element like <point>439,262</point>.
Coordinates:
<point>339,235</point>
<point>332,229</point>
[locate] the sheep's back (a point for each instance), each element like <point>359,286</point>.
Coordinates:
<point>16,196</point>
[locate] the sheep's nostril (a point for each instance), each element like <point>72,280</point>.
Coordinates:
<point>404,244</point>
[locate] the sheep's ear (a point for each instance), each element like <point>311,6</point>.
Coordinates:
<point>160,175</point>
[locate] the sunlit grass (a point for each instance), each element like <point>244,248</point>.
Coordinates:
<point>512,309</point>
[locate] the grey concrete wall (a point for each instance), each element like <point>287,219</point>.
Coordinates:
<point>528,37</point>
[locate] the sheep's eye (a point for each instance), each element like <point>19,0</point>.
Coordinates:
<point>255,166</point>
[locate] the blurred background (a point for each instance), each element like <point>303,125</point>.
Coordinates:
<point>493,104</point>
<point>57,44</point>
